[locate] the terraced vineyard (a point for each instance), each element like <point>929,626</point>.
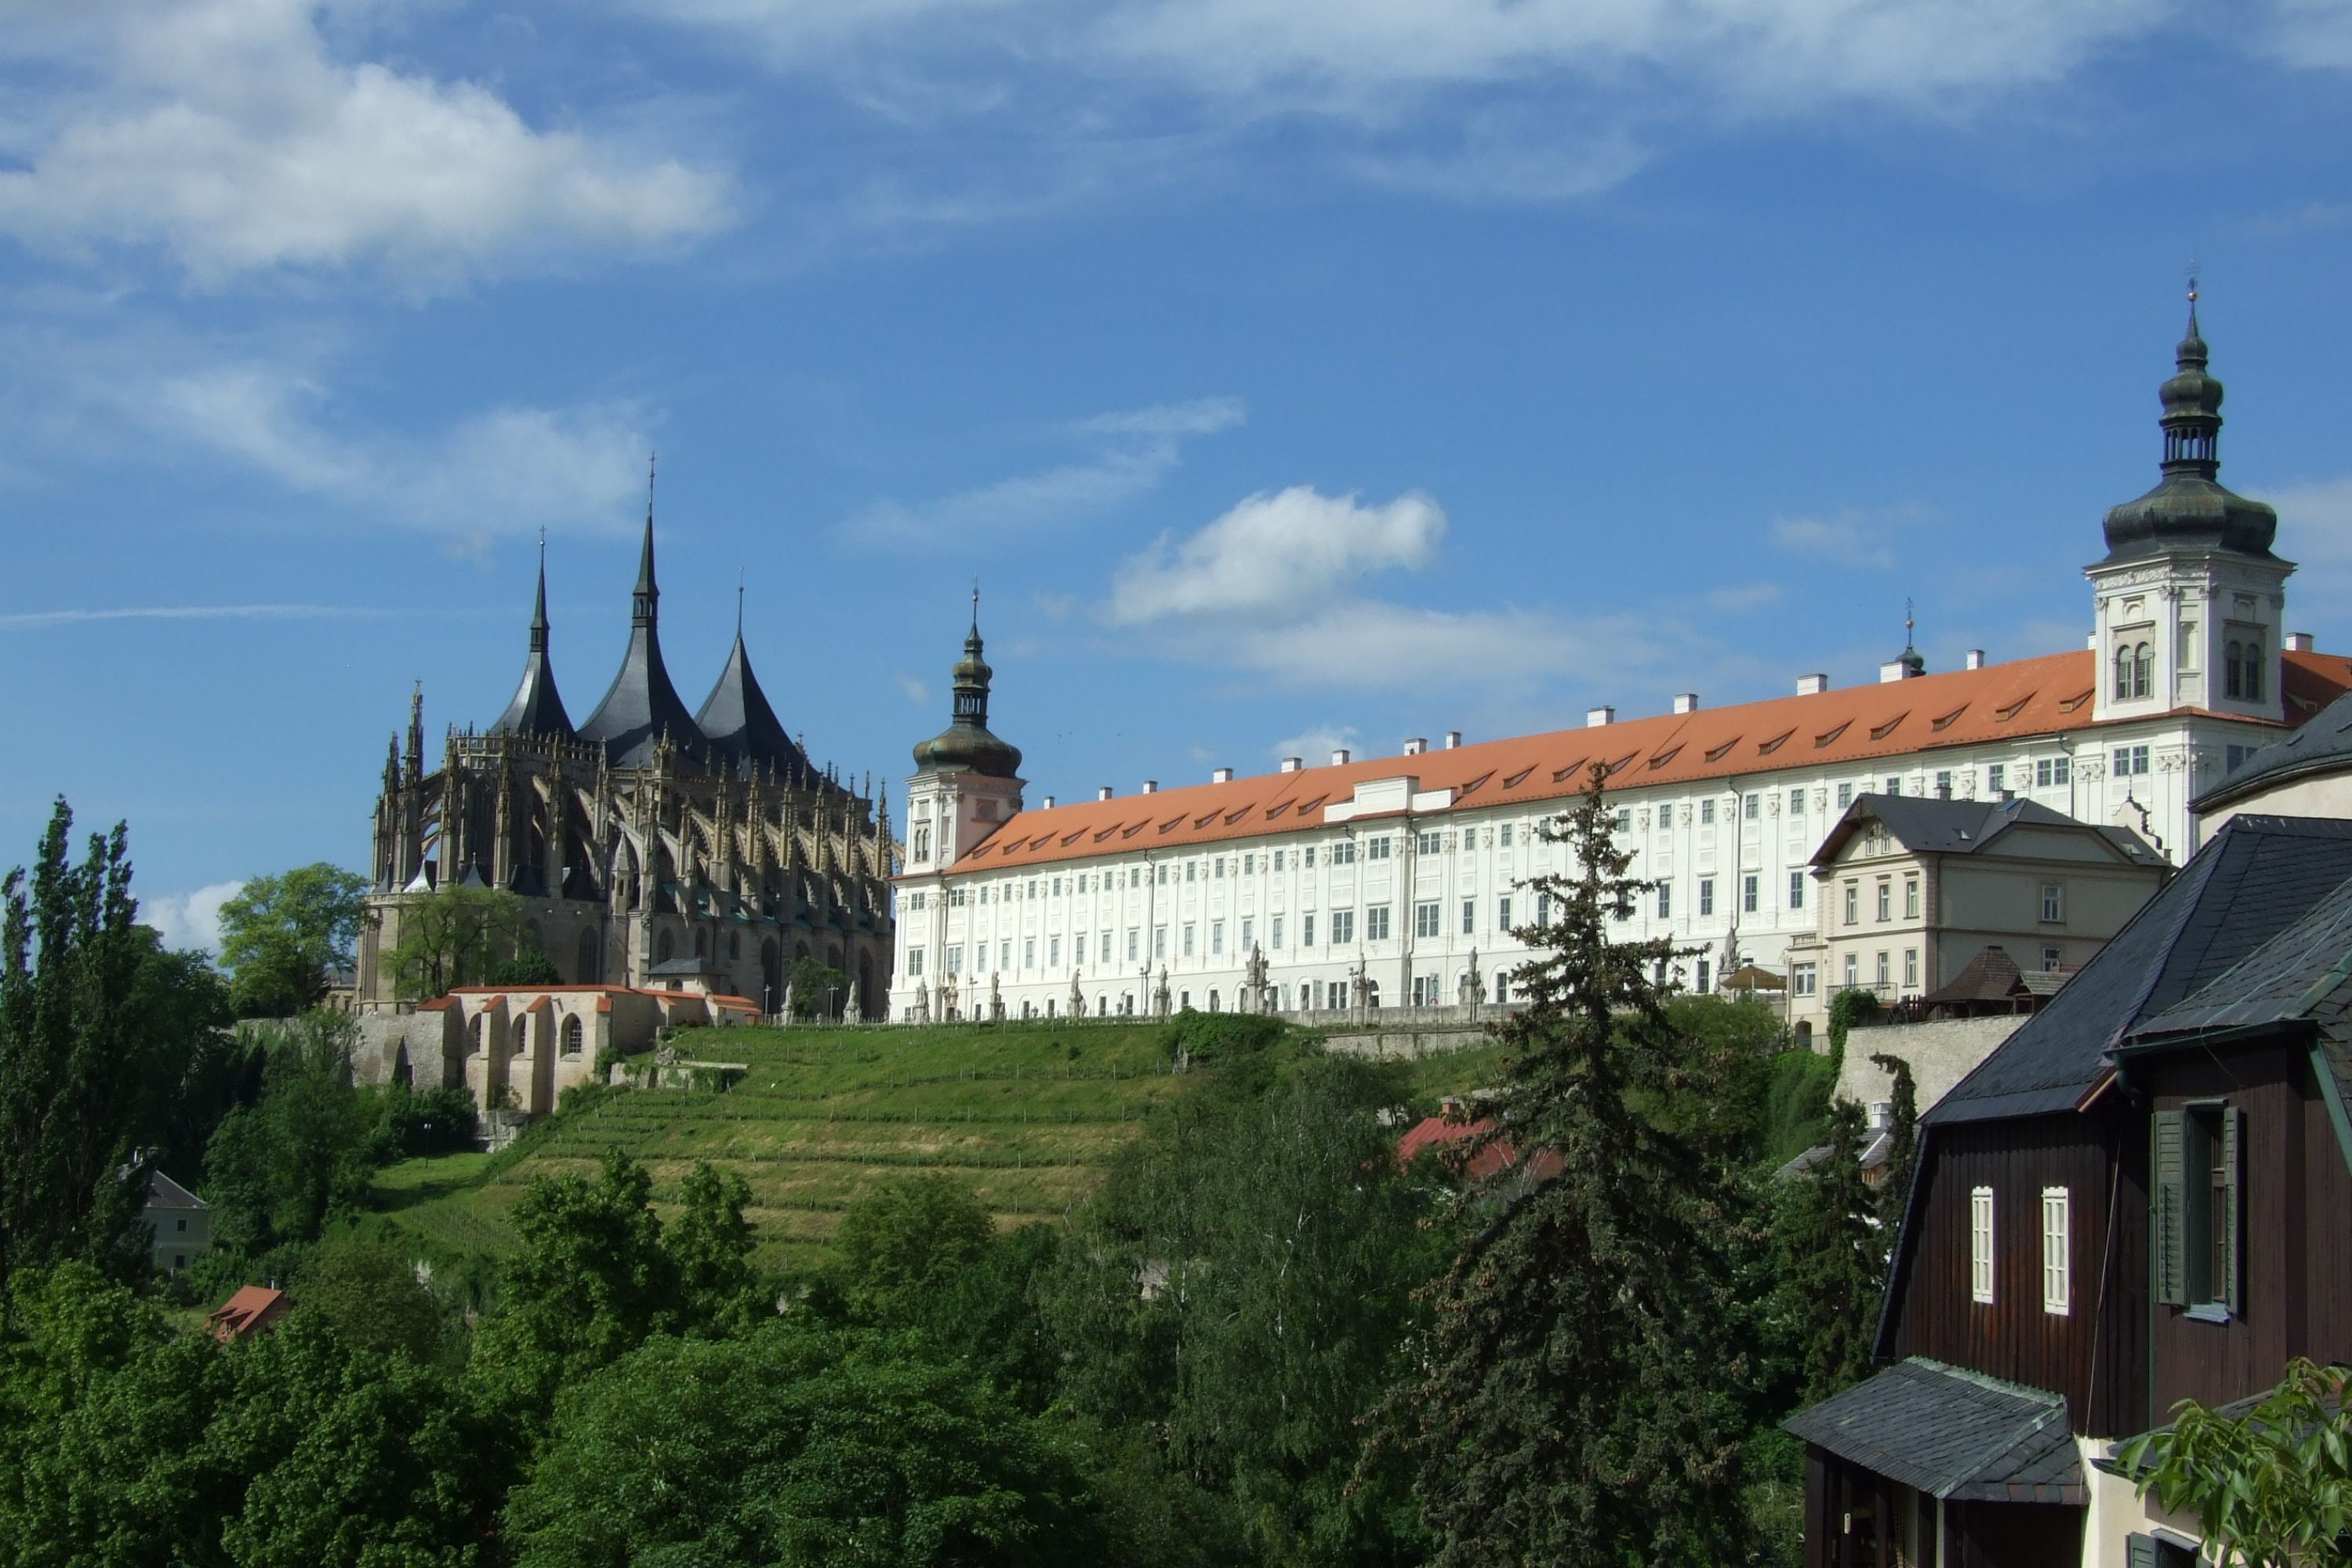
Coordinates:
<point>1027,1115</point>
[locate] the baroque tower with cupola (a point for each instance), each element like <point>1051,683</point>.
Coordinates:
<point>649,845</point>
<point>2191,602</point>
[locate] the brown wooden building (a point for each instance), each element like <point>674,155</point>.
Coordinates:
<point>2025,1312</point>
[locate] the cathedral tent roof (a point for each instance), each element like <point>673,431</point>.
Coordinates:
<point>739,725</point>
<point>537,708</point>
<point>643,706</point>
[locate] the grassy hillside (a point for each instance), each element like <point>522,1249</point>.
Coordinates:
<point>1027,1115</point>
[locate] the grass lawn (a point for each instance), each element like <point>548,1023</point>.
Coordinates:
<point>1028,1115</point>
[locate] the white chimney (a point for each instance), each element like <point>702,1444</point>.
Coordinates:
<point>1594,718</point>
<point>1049,802</point>
<point>2092,642</point>
<point>1152,786</point>
<point>1103,794</point>
<point>2298,642</point>
<point>1686,702</point>
<point>1415,744</point>
<point>1811,684</point>
<point>1292,764</point>
<point>1975,659</point>
<point>1452,740</point>
<point>1222,775</point>
<point>1339,757</point>
<point>1894,670</point>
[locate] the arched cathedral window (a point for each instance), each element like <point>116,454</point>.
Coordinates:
<point>2143,670</point>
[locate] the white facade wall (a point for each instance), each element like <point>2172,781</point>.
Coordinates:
<point>1029,931</point>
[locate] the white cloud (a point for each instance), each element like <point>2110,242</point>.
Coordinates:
<point>2316,532</point>
<point>505,471</point>
<point>227,133</point>
<point>2309,33</point>
<point>1854,537</point>
<point>34,620</point>
<point>1142,448</point>
<point>190,919</point>
<point>1265,588</point>
<point>1275,552</point>
<point>1315,746</point>
<point>916,692</point>
<point>1732,601</point>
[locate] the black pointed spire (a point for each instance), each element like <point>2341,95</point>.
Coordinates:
<point>642,707</point>
<point>537,708</point>
<point>737,716</point>
<point>2189,509</point>
<point>966,745</point>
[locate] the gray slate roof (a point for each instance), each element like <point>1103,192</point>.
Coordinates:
<point>741,725</point>
<point>163,1193</point>
<point>2257,877</point>
<point>1951,1433</point>
<point>2322,745</point>
<point>2298,975</point>
<point>1931,825</point>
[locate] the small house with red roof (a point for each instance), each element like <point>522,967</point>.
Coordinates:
<point>1456,1143</point>
<point>254,1309</point>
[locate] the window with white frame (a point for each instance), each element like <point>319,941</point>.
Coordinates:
<point>1503,912</point>
<point>1424,920</point>
<point>1343,853</point>
<point>2053,903</point>
<point>1747,894</point>
<point>1996,776</point>
<point>1306,932</point>
<point>1428,843</point>
<point>915,963</point>
<point>1376,847</point>
<point>1885,899</point>
<point>1803,980</point>
<point>1376,923</point>
<point>1796,889</point>
<point>1053,953</point>
<point>1004,954</point>
<point>955,898</point>
<point>1159,942</point>
<point>1752,807</point>
<point>2057,1279</point>
<point>922,844</point>
<point>1187,951</point>
<point>1134,935</point>
<point>1706,895</point>
<point>1911,898</point>
<point>1343,927</point>
<point>1852,904</point>
<point>1666,816</point>
<point>1249,934</point>
<point>1469,917</point>
<point>1853,969</point>
<point>1980,1245</point>
<point>1665,900</point>
<point>1706,810</point>
<point>1503,836</point>
<point>1273,936</point>
<point>955,958</point>
<point>1845,796</point>
<point>1911,969</point>
<point>1216,939</point>
<point>1796,803</point>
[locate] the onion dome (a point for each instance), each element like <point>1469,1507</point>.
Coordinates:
<point>643,707</point>
<point>965,746</point>
<point>537,708</point>
<point>739,723</point>
<point>2189,508</point>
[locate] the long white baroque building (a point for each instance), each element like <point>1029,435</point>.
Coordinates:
<point>1398,880</point>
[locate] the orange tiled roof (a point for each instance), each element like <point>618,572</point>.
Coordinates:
<point>2022,700</point>
<point>247,1312</point>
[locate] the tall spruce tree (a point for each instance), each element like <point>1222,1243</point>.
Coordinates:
<point>1902,1146</point>
<point>1836,1259</point>
<point>71,1055</point>
<point>1579,1378</point>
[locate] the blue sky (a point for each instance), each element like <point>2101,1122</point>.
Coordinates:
<point>1291,373</point>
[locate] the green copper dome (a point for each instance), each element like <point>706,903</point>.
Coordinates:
<point>965,746</point>
<point>2189,509</point>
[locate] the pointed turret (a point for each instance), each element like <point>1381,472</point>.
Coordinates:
<point>537,708</point>
<point>738,721</point>
<point>2189,508</point>
<point>642,705</point>
<point>966,745</point>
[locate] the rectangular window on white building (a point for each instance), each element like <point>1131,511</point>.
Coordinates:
<point>1665,900</point>
<point>1796,889</point>
<point>1911,898</point>
<point>1911,968</point>
<point>1944,782</point>
<point>1376,923</point>
<point>1376,847</point>
<point>1343,927</point>
<point>955,958</point>
<point>915,963</point>
<point>1796,803</point>
<point>1980,1245</point>
<point>1274,935</point>
<point>1307,858</point>
<point>1665,817</point>
<point>2057,1273</point>
<point>1133,935</point>
<point>1802,979</point>
<point>2053,903</point>
<point>1886,971</point>
<point>1503,912</point>
<point>1424,920</point>
<point>1748,894</point>
<point>1053,952</point>
<point>1159,942</point>
<point>1343,853</point>
<point>1852,970</point>
<point>1277,860</point>
<point>1845,796</point>
<point>1307,931</point>
<point>1503,836</point>
<point>1752,807</point>
<point>1216,939</point>
<point>1249,864</point>
<point>1249,934</point>
<point>955,898</point>
<point>1705,897</point>
<point>1852,904</point>
<point>1885,900</point>
<point>1004,954</point>
<point>1705,811</point>
<point>1187,951</point>
<point>1625,819</point>
<point>1429,843</point>
<point>1469,917</point>
<point>1996,776</point>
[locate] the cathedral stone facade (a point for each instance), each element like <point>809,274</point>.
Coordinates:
<point>648,843</point>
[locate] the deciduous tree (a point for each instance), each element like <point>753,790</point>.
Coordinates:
<point>456,936</point>
<point>2269,1489</point>
<point>282,937</point>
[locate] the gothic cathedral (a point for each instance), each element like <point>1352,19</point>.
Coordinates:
<point>649,844</point>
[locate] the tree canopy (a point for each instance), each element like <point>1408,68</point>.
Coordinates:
<point>282,937</point>
<point>458,936</point>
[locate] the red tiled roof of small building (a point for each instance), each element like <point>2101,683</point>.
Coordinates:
<point>2021,699</point>
<point>253,1309</point>
<point>1443,1134</point>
